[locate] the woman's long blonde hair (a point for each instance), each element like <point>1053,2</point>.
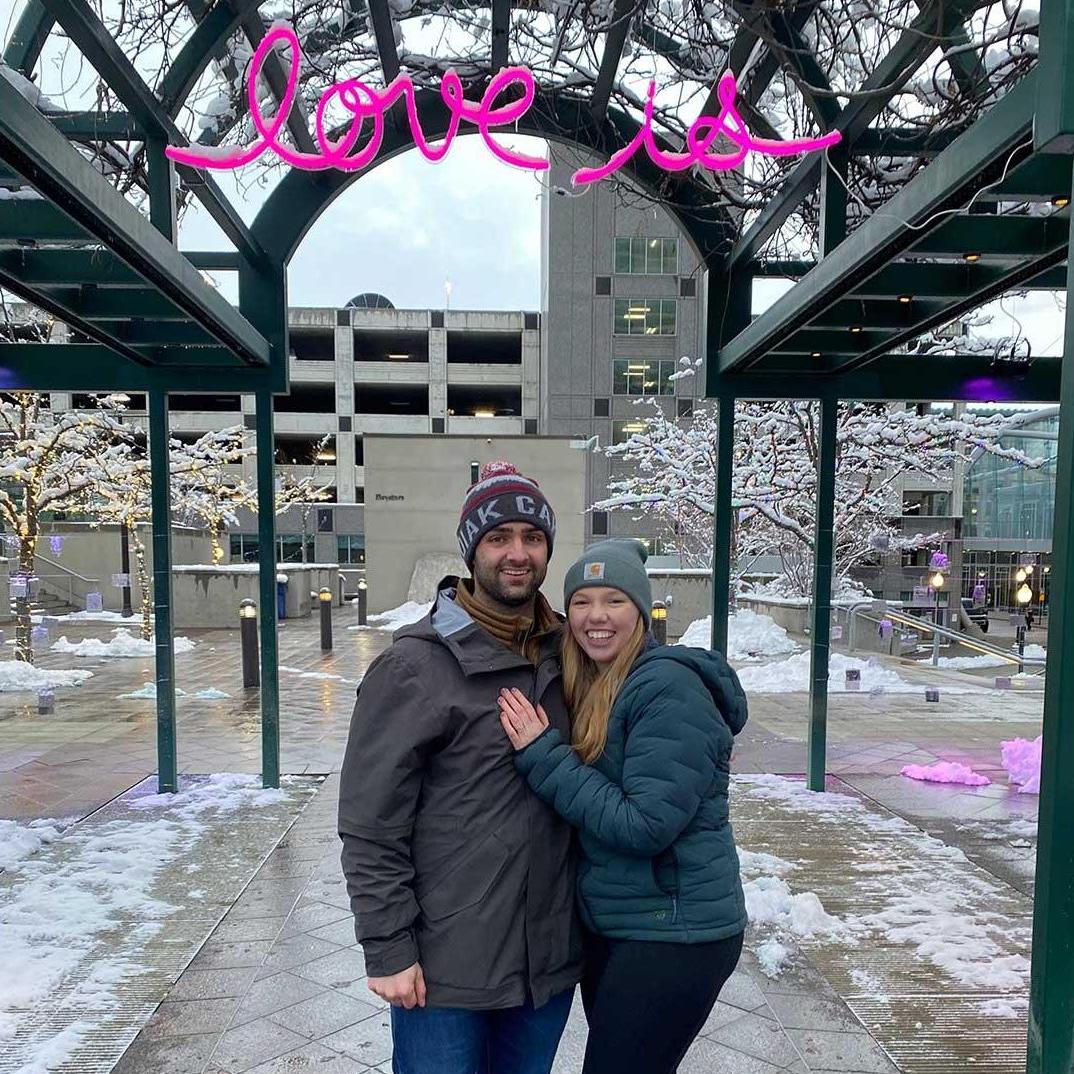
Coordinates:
<point>591,691</point>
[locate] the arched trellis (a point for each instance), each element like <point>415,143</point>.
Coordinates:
<point>835,335</point>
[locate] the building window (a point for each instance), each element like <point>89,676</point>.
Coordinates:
<point>624,430</point>
<point>655,546</point>
<point>324,519</point>
<point>644,317</point>
<point>350,549</point>
<point>602,408</point>
<point>600,523</point>
<point>244,547</point>
<point>603,285</point>
<point>632,377</point>
<point>684,408</point>
<point>475,472</point>
<point>688,287</point>
<point>654,257</point>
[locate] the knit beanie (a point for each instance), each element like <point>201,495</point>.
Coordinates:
<point>501,494</point>
<point>618,563</point>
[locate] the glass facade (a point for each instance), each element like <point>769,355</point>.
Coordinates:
<point>1007,501</point>
<point>288,548</point>
<point>654,257</point>
<point>644,317</point>
<point>624,430</point>
<point>632,377</point>
<point>351,548</point>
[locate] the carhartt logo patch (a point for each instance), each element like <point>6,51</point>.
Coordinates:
<point>594,570</point>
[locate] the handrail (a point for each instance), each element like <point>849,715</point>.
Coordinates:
<point>66,570</point>
<point>937,632</point>
<point>74,581</point>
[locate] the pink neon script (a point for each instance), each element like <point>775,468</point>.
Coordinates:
<point>363,102</point>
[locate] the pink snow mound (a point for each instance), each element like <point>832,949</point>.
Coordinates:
<point>945,772</point>
<point>1021,758</point>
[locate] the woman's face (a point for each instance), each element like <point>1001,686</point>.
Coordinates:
<point>602,621</point>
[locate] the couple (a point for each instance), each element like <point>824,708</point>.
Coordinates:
<point>481,740</point>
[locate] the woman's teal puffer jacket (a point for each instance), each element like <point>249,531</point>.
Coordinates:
<point>658,855</point>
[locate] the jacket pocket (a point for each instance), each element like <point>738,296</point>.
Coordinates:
<point>665,869</point>
<point>468,881</point>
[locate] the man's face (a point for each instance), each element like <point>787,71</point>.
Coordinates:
<point>510,563</point>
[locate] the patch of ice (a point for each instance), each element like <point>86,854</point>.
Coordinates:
<point>300,674</point>
<point>149,693</point>
<point>211,695</point>
<point>122,644</point>
<point>750,636</point>
<point>404,615</point>
<point>17,675</point>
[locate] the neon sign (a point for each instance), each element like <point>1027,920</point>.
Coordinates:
<point>364,102</point>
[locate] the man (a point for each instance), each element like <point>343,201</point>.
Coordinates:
<point>462,880</point>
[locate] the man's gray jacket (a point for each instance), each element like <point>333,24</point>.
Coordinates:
<point>451,860</point>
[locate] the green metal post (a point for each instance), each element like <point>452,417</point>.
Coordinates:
<point>266,557</point>
<point>168,778</point>
<point>823,552</point>
<point>833,199</point>
<point>163,208</point>
<point>722,521</point>
<point>1051,992</point>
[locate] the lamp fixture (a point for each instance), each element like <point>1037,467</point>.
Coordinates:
<point>398,357</point>
<point>815,354</point>
<point>855,328</point>
<point>1060,201</point>
<point>936,581</point>
<point>906,299</point>
<point>1024,594</point>
<point>971,258</point>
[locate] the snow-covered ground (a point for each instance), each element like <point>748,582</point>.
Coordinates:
<point>792,674</point>
<point>17,675</point>
<point>79,909</point>
<point>900,888</point>
<point>148,692</point>
<point>122,643</point>
<point>395,618</point>
<point>750,636</point>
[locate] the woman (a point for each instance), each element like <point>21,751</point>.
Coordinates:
<point>645,781</point>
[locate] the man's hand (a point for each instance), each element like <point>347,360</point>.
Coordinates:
<point>405,989</point>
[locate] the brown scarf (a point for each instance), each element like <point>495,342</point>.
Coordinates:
<point>521,633</point>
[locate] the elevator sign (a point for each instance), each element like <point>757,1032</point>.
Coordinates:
<point>366,104</point>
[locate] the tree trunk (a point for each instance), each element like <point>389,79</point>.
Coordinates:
<point>143,586</point>
<point>23,624</point>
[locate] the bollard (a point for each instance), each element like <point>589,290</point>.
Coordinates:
<point>363,592</point>
<point>853,679</point>
<point>46,702</point>
<point>251,670</point>
<point>39,638</point>
<point>660,622</point>
<point>325,599</point>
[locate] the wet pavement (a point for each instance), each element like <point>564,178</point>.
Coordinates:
<point>278,984</point>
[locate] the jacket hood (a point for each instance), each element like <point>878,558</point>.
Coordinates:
<point>450,625</point>
<point>714,671</point>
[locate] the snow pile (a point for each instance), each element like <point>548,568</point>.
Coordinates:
<point>18,841</point>
<point>1035,652</point>
<point>211,695</point>
<point>750,636</point>
<point>325,675</point>
<point>791,675</point>
<point>1007,1007</point>
<point>17,675</point>
<point>225,792</point>
<point>98,617</point>
<point>945,772</point>
<point>402,616</point>
<point>1021,759</point>
<point>149,693</point>
<point>122,643</point>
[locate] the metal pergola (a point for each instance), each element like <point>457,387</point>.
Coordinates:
<point>935,251</point>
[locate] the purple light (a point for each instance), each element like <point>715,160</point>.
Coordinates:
<point>987,389</point>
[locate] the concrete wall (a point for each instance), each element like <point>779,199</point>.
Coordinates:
<point>415,486</point>
<point>6,614</point>
<point>688,595</point>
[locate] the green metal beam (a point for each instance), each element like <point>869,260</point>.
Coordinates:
<point>213,260</point>
<point>933,24</point>
<point>903,142</point>
<point>88,367</point>
<point>61,268</point>
<point>159,461</point>
<point>91,303</point>
<point>97,126</point>
<point>821,617</point>
<point>1041,177</point>
<point>28,38</point>
<point>971,161</point>
<point>873,313</point>
<point>101,50</point>
<point>901,377</point>
<point>1053,131</point>
<point>723,523</point>
<point>833,201</point>
<point>501,26</point>
<point>995,238</point>
<point>41,154</point>
<point>1051,991</point>
<point>384,33</point>
<point>966,65</point>
<point>37,220</point>
<point>947,281</point>
<point>266,558</point>
<point>614,42</point>
<point>152,333</point>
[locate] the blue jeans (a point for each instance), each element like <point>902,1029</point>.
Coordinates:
<point>447,1040</point>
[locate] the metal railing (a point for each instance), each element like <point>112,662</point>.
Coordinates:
<point>936,632</point>
<point>64,583</point>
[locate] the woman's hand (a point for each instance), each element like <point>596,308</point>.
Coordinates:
<point>519,718</point>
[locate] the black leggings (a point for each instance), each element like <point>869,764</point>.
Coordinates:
<point>646,1002</point>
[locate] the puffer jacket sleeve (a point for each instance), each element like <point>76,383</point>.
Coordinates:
<point>392,732</point>
<point>670,762</point>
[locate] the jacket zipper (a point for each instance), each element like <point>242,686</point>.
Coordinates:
<point>674,908</point>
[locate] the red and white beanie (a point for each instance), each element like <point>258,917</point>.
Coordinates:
<point>501,494</point>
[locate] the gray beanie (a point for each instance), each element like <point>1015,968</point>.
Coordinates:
<point>618,563</point>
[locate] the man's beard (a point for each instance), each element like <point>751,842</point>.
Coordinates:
<point>488,581</point>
